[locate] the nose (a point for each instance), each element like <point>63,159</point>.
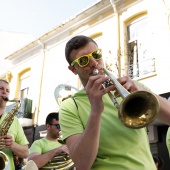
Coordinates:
<point>4,91</point>
<point>93,62</point>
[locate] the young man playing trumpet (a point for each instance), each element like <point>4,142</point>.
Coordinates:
<point>95,136</point>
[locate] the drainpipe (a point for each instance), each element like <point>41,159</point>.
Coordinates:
<point>113,3</point>
<point>41,80</point>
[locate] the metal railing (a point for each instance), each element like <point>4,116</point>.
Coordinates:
<point>141,68</point>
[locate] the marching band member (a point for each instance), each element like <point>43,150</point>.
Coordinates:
<point>95,136</point>
<point>15,141</point>
<point>44,149</point>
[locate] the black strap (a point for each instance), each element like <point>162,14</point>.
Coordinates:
<point>75,102</point>
<point>78,111</point>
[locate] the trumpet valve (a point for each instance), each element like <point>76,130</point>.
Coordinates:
<point>107,83</point>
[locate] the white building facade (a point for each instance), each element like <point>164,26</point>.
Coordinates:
<point>134,37</point>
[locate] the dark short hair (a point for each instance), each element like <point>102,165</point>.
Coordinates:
<point>76,43</point>
<point>4,81</point>
<point>51,116</point>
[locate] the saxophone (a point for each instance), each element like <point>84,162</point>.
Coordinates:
<point>4,127</point>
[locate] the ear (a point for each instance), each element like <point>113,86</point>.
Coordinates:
<point>71,68</point>
<point>47,126</point>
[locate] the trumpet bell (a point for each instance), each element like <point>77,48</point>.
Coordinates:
<point>138,109</point>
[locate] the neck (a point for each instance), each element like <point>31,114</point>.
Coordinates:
<point>50,138</point>
<point>1,111</point>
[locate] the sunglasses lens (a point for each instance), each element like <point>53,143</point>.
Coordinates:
<point>58,126</point>
<point>83,61</point>
<point>97,54</point>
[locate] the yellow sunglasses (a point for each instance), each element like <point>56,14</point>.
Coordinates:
<point>84,60</point>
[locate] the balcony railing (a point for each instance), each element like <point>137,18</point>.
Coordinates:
<point>141,68</point>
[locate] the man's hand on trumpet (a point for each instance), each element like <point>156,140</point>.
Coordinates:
<point>95,91</point>
<point>130,85</point>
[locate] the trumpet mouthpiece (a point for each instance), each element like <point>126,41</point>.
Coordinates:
<point>5,98</point>
<point>95,71</point>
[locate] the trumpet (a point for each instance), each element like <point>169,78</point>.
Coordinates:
<point>137,109</point>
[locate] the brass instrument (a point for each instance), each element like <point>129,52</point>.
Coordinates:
<point>64,91</point>
<point>138,109</point>
<point>60,161</point>
<point>4,161</point>
<point>4,127</point>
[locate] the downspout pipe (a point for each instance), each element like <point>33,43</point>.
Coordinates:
<point>41,81</point>
<point>113,3</point>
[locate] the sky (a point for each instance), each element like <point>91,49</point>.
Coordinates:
<point>36,17</point>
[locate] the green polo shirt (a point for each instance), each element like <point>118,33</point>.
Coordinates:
<point>17,133</point>
<point>168,140</point>
<point>120,148</point>
<point>43,145</point>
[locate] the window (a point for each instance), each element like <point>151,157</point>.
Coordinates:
<point>140,63</point>
<point>24,84</point>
